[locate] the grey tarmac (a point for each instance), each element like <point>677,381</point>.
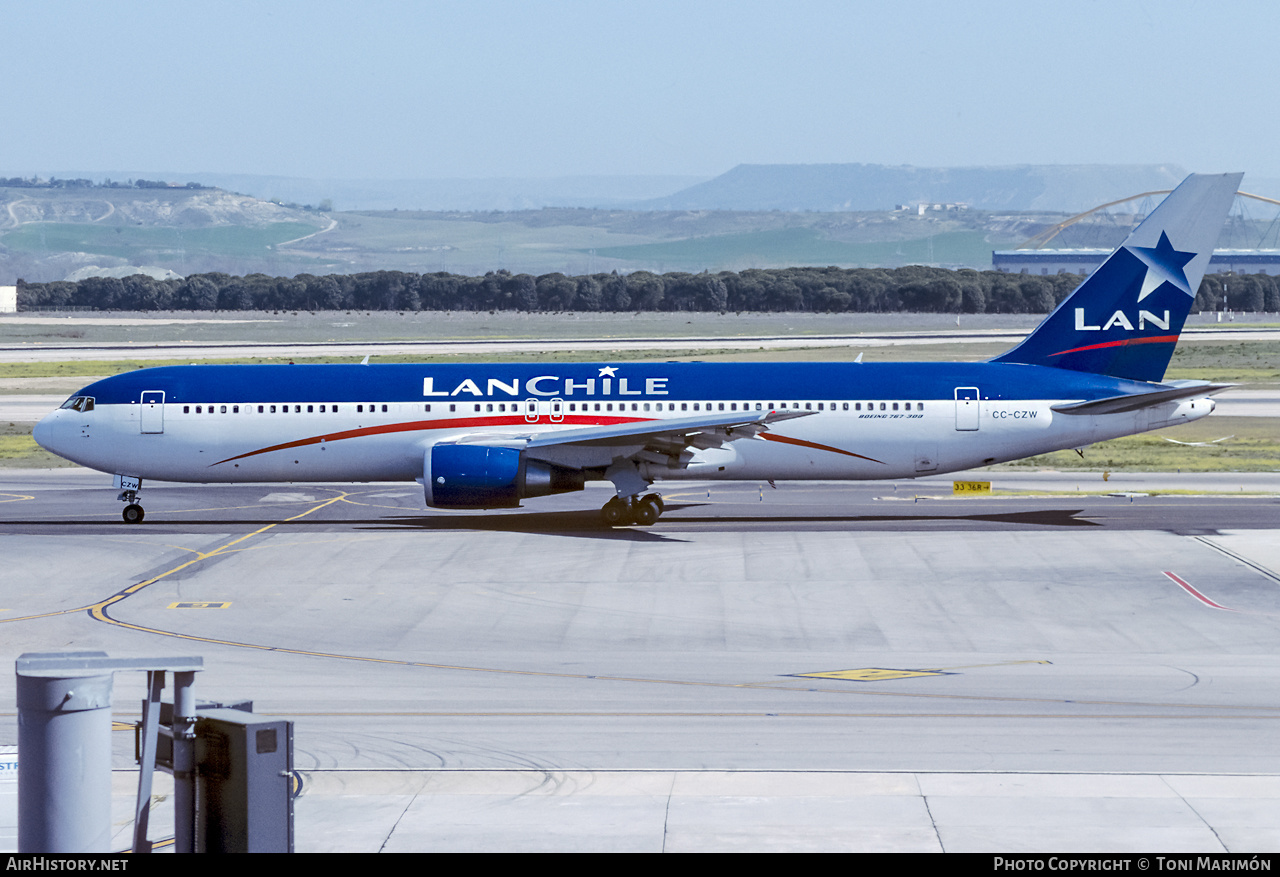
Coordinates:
<point>872,666</point>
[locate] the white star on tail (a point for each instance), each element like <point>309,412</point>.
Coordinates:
<point>1164,265</point>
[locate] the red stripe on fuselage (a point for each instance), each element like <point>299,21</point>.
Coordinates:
<point>1124,342</point>
<point>423,425</point>
<point>510,420</point>
<point>787,440</point>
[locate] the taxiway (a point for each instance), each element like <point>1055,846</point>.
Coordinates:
<point>816,666</point>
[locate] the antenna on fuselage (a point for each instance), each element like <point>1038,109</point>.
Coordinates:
<point>365,361</point>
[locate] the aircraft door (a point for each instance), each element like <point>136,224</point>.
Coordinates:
<point>967,408</point>
<point>151,417</point>
<point>531,410</point>
<point>557,410</point>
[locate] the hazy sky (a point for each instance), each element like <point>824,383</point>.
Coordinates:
<point>486,88</point>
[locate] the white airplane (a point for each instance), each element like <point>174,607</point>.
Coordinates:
<point>489,436</point>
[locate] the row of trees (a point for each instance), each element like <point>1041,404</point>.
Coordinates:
<point>822,290</point>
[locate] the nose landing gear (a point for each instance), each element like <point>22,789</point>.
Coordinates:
<point>133,512</point>
<point>642,510</point>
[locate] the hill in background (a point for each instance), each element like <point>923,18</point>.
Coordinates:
<point>755,216</point>
<point>493,193</point>
<point>749,187</point>
<point>844,187</point>
<point>49,232</point>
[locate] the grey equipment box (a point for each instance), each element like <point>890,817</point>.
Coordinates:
<point>244,779</point>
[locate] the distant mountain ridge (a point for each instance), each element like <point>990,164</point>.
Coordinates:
<point>844,187</point>
<point>754,216</point>
<point>488,193</point>
<point>747,187</point>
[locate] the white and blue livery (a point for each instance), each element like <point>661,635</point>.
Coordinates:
<point>490,436</point>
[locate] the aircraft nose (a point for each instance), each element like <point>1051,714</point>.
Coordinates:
<point>43,431</point>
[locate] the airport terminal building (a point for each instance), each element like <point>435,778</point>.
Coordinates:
<point>1085,261</point>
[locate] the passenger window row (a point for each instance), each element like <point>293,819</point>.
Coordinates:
<point>296,408</point>
<point>85,403</point>
<point>748,406</point>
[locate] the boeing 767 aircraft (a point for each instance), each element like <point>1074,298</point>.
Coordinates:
<point>489,436</point>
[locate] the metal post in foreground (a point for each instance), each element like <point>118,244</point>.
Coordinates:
<point>64,761</point>
<point>64,746</point>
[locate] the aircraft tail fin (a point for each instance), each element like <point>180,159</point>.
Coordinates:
<point>1125,318</point>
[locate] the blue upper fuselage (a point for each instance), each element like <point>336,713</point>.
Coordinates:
<point>651,380</point>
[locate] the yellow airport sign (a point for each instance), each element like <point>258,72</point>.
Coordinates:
<point>970,488</point>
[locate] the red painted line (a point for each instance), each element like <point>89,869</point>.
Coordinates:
<point>1193,592</point>
<point>1124,342</point>
<point>774,437</point>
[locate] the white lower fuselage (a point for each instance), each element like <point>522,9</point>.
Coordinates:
<point>231,443</point>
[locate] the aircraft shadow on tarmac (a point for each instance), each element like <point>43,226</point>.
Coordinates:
<point>1039,518</point>
<point>586,523</point>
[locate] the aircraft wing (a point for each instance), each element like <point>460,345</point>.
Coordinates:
<point>709,431</point>
<point>671,441</point>
<point>1136,401</point>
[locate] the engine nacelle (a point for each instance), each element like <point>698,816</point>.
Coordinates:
<point>462,476</point>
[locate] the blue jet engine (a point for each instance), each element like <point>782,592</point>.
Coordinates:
<point>462,476</point>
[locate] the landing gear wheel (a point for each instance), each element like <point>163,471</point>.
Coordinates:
<point>614,512</point>
<point>133,513</point>
<point>646,512</point>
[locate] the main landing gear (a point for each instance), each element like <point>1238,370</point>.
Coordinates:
<point>642,510</point>
<point>133,513</point>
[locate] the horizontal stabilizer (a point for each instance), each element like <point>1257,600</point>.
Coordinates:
<point>1137,401</point>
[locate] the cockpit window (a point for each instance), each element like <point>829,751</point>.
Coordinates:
<point>79,403</point>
